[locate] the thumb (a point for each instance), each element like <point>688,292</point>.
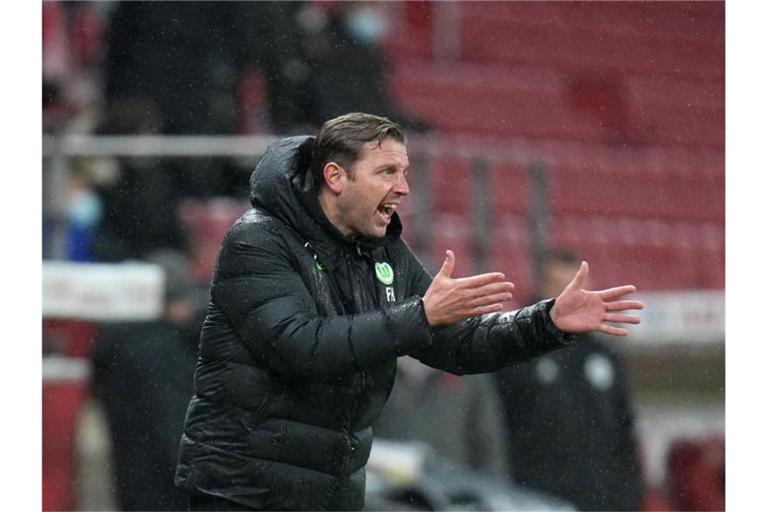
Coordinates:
<point>447,268</point>
<point>580,277</point>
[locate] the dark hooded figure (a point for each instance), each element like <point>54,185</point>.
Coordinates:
<point>142,376</point>
<point>570,418</point>
<point>313,298</point>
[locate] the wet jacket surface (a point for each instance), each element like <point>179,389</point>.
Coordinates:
<point>298,350</point>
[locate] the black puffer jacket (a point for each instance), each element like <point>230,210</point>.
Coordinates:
<point>298,351</point>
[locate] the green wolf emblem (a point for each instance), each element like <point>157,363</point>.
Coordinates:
<point>384,273</point>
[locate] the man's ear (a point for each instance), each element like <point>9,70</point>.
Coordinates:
<point>335,177</point>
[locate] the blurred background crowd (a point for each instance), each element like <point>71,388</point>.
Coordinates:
<point>540,133</point>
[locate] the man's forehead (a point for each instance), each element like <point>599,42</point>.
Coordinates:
<point>385,149</point>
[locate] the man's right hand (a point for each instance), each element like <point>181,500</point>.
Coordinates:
<point>450,300</point>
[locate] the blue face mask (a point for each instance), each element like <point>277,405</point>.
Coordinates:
<point>85,209</point>
<point>367,26</point>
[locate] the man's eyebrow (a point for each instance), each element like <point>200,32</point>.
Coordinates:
<point>391,165</point>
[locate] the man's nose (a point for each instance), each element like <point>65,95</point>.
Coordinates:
<point>401,187</point>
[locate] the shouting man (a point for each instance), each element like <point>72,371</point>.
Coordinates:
<point>314,297</point>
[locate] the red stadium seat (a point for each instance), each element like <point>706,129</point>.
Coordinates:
<point>679,124</point>
<point>574,37</point>
<point>584,190</point>
<point>509,189</point>
<point>652,254</point>
<point>510,253</point>
<point>654,72</point>
<point>62,401</point>
<point>68,337</point>
<point>490,100</point>
<point>696,472</point>
<point>452,186</point>
<point>61,404</point>
<point>453,232</point>
<point>416,21</point>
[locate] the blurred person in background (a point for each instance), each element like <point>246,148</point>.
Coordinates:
<point>72,47</point>
<point>83,213</point>
<point>174,68</point>
<point>184,63</point>
<point>347,66</point>
<point>461,418</point>
<point>175,59</point>
<point>570,418</point>
<point>271,35</point>
<point>142,376</point>
<point>313,298</point>
<point>139,214</point>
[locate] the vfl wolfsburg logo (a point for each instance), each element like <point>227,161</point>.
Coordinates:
<point>384,273</point>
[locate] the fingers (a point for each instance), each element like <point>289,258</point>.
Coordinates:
<point>622,305</point>
<point>619,318</point>
<point>449,300</point>
<point>579,278</point>
<point>492,288</point>
<point>489,293</point>
<point>491,299</point>
<point>615,331</point>
<point>480,280</point>
<point>482,310</point>
<point>447,268</point>
<point>624,319</point>
<point>618,291</point>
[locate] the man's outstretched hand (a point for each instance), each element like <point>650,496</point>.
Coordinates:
<point>450,300</point>
<point>577,310</point>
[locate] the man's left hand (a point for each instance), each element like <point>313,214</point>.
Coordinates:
<point>577,310</point>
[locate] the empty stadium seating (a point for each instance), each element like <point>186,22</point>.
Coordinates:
<point>454,232</point>
<point>663,39</point>
<point>670,195</point>
<point>622,102</point>
<point>510,253</point>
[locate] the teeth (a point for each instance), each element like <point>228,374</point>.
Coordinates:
<point>388,209</point>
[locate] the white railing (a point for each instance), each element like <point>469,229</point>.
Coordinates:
<point>514,150</point>
<point>58,150</point>
<point>156,145</point>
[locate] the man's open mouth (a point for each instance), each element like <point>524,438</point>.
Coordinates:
<point>387,209</point>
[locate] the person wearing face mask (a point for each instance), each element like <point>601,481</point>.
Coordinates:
<point>313,299</point>
<point>347,68</point>
<point>366,23</point>
<point>84,211</point>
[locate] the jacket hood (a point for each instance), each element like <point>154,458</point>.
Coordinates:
<point>282,184</point>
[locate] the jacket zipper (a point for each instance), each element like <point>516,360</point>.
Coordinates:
<point>335,291</point>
